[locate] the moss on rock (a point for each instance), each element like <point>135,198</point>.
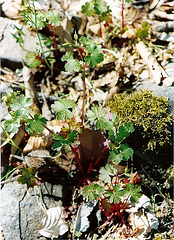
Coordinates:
<point>148,113</point>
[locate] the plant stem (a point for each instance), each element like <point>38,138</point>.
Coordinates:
<point>95,163</point>
<point>37,33</point>
<point>83,103</point>
<point>153,182</point>
<point>74,150</point>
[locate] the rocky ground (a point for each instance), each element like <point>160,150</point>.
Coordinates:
<point>22,210</point>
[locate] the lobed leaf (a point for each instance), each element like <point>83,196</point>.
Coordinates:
<point>133,191</point>
<point>72,64</point>
<point>53,18</point>
<point>31,60</point>
<point>93,191</point>
<point>20,106</point>
<point>62,108</point>
<point>36,124</point>
<point>12,125</point>
<point>114,196</point>
<point>106,172</point>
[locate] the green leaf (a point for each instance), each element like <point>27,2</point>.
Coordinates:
<point>28,177</point>
<point>143,32</point>
<point>100,7</point>
<point>62,108</point>
<point>126,151</point>
<point>21,106</point>
<point>38,21</point>
<point>95,113</point>
<point>53,18</point>
<point>12,125</point>
<point>115,156</point>
<point>31,60</point>
<point>59,140</point>
<point>114,196</point>
<point>95,57</point>
<point>36,124</point>
<point>121,134</point>
<point>106,173</point>
<point>133,191</point>
<point>46,40</point>
<point>93,191</point>
<point>86,41</point>
<point>88,8</point>
<point>129,127</point>
<point>72,64</point>
<point>72,135</point>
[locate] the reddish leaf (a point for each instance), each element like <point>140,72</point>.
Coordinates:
<point>91,149</point>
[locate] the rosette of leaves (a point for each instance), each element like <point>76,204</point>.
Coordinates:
<point>149,115</point>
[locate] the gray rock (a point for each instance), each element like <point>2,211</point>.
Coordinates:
<point>160,90</point>
<point>21,213</point>
<point>10,51</point>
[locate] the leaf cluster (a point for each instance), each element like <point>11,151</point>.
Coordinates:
<point>93,56</point>
<point>38,20</point>
<point>20,112</point>
<point>98,7</point>
<point>115,199</point>
<point>116,134</point>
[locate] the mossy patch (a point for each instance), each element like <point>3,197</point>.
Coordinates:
<point>149,114</point>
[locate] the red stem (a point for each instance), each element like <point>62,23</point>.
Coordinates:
<point>40,59</point>
<point>83,103</point>
<point>77,158</point>
<point>98,159</point>
<point>108,219</point>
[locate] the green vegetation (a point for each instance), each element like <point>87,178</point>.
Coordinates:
<point>149,115</point>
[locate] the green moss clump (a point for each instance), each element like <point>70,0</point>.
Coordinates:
<point>149,115</point>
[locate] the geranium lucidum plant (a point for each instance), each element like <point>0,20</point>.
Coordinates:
<point>108,137</point>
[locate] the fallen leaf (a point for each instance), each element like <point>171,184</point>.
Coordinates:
<point>38,141</point>
<point>82,223</point>
<point>53,224</point>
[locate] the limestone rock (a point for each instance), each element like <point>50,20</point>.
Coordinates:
<point>10,51</point>
<point>21,214</point>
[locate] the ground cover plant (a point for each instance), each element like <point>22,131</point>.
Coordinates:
<point>91,135</point>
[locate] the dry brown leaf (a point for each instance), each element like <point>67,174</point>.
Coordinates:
<point>111,93</point>
<point>53,224</point>
<point>64,31</point>
<point>38,141</point>
<point>95,29</point>
<point>110,79</point>
<point>156,70</point>
<point>11,8</point>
